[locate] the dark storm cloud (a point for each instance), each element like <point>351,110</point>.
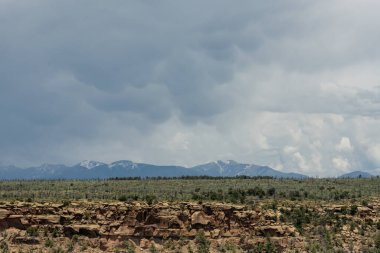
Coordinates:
<point>112,47</point>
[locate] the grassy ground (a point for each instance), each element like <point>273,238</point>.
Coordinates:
<point>222,190</point>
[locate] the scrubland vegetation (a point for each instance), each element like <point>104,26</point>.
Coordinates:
<point>231,190</point>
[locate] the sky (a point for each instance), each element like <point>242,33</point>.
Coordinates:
<point>290,84</point>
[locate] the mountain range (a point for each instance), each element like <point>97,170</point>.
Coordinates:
<point>357,174</point>
<point>124,168</point>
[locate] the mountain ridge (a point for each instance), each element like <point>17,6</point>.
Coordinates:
<point>357,174</point>
<point>88,169</point>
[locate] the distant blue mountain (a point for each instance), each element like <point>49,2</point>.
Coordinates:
<point>255,170</point>
<point>220,168</point>
<point>125,168</point>
<point>231,168</point>
<point>357,174</point>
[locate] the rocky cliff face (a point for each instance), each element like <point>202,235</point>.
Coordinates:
<point>138,227</point>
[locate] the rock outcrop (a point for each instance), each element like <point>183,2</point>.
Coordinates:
<point>105,227</point>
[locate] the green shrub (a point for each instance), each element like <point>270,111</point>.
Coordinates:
<point>129,247</point>
<point>55,232</point>
<point>203,244</point>
<point>150,199</point>
<point>4,247</point>
<point>70,246</point>
<point>122,198</point>
<point>256,191</point>
<point>271,191</point>
<point>66,202</point>
<point>153,249</point>
<point>32,231</point>
<point>49,243</point>
<point>354,209</point>
<point>75,238</point>
<point>270,247</point>
<point>227,247</point>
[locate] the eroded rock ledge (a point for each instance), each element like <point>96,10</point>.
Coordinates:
<point>105,227</point>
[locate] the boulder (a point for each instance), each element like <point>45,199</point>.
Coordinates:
<point>275,230</point>
<point>199,218</point>
<point>4,213</point>
<point>124,231</point>
<point>47,219</point>
<point>364,211</point>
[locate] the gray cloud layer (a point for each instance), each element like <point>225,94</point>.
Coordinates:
<point>291,84</point>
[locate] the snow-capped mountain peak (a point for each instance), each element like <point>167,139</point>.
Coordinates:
<point>123,164</point>
<point>220,164</point>
<point>46,167</point>
<point>226,162</point>
<point>90,164</point>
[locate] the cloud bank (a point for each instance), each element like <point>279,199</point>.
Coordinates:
<point>293,85</point>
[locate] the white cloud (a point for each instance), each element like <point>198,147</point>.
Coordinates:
<point>341,164</point>
<point>374,153</point>
<point>344,145</point>
<point>301,162</point>
<point>289,150</point>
